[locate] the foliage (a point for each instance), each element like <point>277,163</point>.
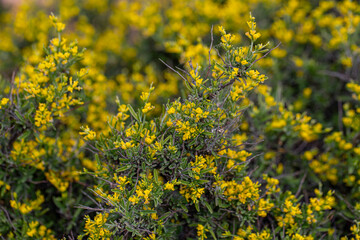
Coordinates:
<point>210,150</point>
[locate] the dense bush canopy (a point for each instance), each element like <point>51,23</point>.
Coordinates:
<point>202,119</point>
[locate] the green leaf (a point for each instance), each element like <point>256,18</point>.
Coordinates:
<point>58,203</point>
<point>200,182</point>
<point>188,86</point>
<point>25,135</point>
<point>208,206</point>
<point>172,166</point>
<point>123,168</point>
<point>212,233</point>
<point>164,216</point>
<point>19,116</point>
<point>46,50</point>
<point>123,159</point>
<point>199,147</point>
<point>221,67</point>
<point>146,212</point>
<point>163,142</point>
<point>197,206</point>
<point>156,176</point>
<point>99,166</point>
<point>132,112</point>
<point>184,182</point>
<point>192,142</point>
<point>184,207</point>
<point>202,219</point>
<point>203,171</point>
<point>208,134</point>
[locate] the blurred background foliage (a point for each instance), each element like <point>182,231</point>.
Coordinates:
<point>305,120</point>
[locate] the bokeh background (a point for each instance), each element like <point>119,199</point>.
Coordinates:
<point>306,115</point>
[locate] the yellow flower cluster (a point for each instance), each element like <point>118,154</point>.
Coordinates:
<point>324,165</point>
<point>169,186</point>
<point>186,129</point>
<point>143,191</point>
<point>291,211</point>
<point>301,124</point>
<point>88,134</point>
<point>196,79</point>
<point>37,86</point>
<point>351,118</point>
<point>264,207</point>
<point>202,163</point>
<point>7,186</point>
<point>269,100</point>
<point>194,113</point>
<point>3,102</point>
<point>53,86</point>
<point>147,108</point>
<point>226,38</point>
<point>39,231</point>
<point>253,35</point>
<point>246,190</point>
<point>192,193</point>
<point>121,181</point>
<point>355,230</point>
<point>57,180</point>
<point>95,229</point>
<point>26,208</point>
<point>272,185</point>
<point>236,156</point>
<point>247,233</point>
<point>338,139</point>
<point>201,232</point>
<point>28,153</point>
<point>42,116</point>
<point>58,25</point>
<point>355,88</point>
<point>319,204</point>
<point>124,145</point>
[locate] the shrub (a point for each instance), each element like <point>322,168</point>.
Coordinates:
<point>294,140</point>
<point>39,154</point>
<point>185,174</point>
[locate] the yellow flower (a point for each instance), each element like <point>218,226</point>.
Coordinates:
<point>169,186</point>
<point>172,148</point>
<point>154,216</point>
<point>32,228</point>
<point>59,27</point>
<point>144,96</point>
<point>88,134</point>
<point>307,92</point>
<point>222,30</point>
<point>346,61</point>
<point>169,123</point>
<point>127,145</point>
<point>150,139</point>
<point>42,115</point>
<point>134,199</point>
<point>148,107</point>
<point>171,110</point>
<point>201,231</point>
<point>298,62</point>
<point>244,62</point>
<point>269,155</point>
<point>198,110</point>
<point>3,102</point>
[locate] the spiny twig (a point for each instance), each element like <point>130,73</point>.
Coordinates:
<point>173,70</point>
<point>341,76</point>
<point>301,183</point>
<point>264,55</point>
<point>211,44</point>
